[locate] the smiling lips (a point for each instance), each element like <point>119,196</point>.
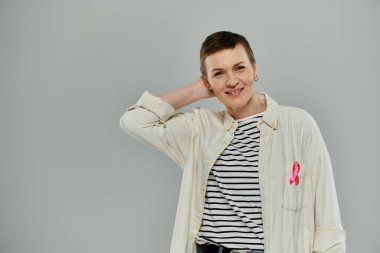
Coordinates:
<point>234,92</point>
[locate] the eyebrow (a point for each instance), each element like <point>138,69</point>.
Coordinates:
<point>222,69</point>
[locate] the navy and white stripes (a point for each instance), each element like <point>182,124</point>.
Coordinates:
<point>232,215</point>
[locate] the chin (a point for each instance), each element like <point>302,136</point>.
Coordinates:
<point>237,104</point>
<point>233,103</point>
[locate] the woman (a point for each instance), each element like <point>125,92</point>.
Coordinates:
<point>257,176</point>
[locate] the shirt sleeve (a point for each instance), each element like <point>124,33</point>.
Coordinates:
<point>156,123</point>
<point>329,236</point>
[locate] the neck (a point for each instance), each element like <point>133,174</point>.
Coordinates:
<point>254,106</point>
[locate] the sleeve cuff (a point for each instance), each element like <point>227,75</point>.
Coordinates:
<point>154,104</point>
<point>330,240</point>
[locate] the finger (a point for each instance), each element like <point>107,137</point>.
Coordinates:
<point>204,79</point>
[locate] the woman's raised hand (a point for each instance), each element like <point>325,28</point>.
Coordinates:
<point>188,94</point>
<point>202,88</point>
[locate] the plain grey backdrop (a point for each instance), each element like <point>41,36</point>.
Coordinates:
<point>72,181</point>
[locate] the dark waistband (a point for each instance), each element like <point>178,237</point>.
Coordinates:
<point>211,248</point>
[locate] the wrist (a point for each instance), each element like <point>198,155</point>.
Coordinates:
<point>196,92</point>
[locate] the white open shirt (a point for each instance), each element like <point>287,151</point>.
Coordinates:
<point>297,219</point>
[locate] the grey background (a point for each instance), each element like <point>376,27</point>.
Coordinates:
<point>72,181</point>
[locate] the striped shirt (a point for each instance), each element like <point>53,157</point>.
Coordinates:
<point>232,214</point>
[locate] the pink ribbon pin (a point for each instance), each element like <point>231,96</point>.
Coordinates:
<point>296,170</point>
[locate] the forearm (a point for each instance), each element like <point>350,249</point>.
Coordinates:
<point>183,96</point>
<point>330,237</point>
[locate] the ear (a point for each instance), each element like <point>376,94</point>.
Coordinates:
<point>254,67</point>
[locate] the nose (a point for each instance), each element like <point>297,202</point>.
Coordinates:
<point>232,80</point>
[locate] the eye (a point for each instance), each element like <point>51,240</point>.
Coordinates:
<point>240,67</point>
<point>218,73</point>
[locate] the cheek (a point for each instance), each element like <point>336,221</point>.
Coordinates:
<point>217,86</point>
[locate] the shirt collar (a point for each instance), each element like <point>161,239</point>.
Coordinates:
<point>270,116</point>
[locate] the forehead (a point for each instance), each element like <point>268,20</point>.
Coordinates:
<point>226,58</point>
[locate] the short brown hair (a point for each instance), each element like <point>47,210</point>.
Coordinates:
<point>221,40</point>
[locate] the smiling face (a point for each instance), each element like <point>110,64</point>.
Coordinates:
<point>230,75</point>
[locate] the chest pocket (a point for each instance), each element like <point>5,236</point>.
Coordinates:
<point>293,198</point>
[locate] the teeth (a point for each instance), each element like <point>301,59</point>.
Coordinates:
<point>234,92</point>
